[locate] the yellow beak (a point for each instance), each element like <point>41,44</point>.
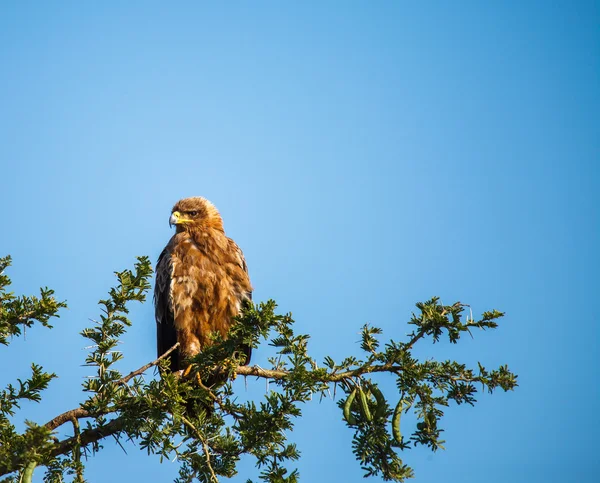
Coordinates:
<point>177,219</point>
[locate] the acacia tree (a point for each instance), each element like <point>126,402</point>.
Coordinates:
<point>205,428</point>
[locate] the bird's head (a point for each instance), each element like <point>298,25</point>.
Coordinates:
<point>195,213</point>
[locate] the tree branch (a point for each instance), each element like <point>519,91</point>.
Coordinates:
<point>77,451</point>
<point>412,341</point>
<point>89,436</point>
<point>28,473</point>
<point>61,419</point>
<point>79,413</point>
<point>205,447</point>
<point>142,369</point>
<point>330,377</point>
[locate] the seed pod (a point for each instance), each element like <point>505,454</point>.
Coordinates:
<point>381,402</point>
<point>396,421</point>
<point>364,405</point>
<point>348,416</point>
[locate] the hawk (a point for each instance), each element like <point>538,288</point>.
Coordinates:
<point>201,282</point>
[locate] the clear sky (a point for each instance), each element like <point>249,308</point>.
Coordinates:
<point>365,156</point>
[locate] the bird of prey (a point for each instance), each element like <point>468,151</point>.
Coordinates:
<point>201,282</point>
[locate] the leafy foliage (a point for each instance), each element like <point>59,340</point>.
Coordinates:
<point>205,427</point>
<point>17,313</point>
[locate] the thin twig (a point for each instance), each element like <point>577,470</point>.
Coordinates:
<point>142,369</point>
<point>412,341</point>
<point>77,451</point>
<point>205,447</point>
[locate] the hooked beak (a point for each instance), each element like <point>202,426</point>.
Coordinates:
<point>175,219</point>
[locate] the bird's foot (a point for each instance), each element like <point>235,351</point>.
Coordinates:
<point>187,371</point>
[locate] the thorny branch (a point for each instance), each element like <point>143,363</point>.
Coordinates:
<point>114,426</point>
<point>93,435</point>
<point>330,377</point>
<point>79,413</point>
<point>158,412</point>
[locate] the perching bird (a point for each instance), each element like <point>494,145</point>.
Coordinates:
<point>201,282</point>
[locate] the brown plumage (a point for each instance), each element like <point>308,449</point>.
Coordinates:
<point>201,281</point>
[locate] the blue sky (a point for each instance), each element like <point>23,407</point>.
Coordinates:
<point>365,156</point>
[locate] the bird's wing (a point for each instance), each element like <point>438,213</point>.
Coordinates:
<point>166,336</point>
<point>239,255</point>
<point>241,260</point>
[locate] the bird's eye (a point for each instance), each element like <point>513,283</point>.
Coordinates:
<point>193,213</point>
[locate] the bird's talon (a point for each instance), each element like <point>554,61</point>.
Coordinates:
<point>187,371</point>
